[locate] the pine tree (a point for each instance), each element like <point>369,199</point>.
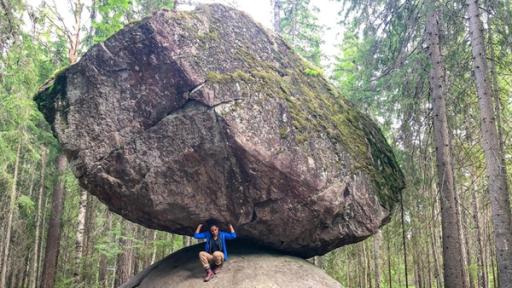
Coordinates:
<point>300,28</point>
<point>494,159</point>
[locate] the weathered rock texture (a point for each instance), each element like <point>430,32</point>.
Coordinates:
<point>248,267</point>
<point>188,116</point>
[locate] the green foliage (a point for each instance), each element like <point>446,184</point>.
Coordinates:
<point>313,72</point>
<point>108,248</point>
<point>53,91</point>
<point>300,28</point>
<point>149,6</point>
<point>113,15</point>
<point>20,122</point>
<point>65,282</point>
<point>71,183</point>
<point>383,68</point>
<point>10,23</point>
<point>283,132</point>
<point>26,205</point>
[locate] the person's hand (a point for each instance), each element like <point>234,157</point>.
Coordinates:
<point>198,229</point>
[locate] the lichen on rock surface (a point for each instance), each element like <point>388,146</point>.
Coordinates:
<point>184,117</point>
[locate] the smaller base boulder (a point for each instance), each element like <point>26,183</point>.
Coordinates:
<point>249,265</point>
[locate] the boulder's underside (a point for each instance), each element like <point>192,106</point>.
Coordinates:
<point>249,267</point>
<point>184,117</point>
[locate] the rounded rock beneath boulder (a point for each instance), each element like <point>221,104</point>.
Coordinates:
<point>249,266</point>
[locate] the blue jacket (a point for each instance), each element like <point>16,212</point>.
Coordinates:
<point>223,237</point>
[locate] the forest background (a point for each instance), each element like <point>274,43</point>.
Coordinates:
<point>415,66</point>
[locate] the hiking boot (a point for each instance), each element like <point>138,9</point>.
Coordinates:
<point>209,275</point>
<point>216,269</point>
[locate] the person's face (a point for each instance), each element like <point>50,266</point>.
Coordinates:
<point>214,230</point>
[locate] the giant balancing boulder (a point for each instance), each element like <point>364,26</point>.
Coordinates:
<point>184,117</point>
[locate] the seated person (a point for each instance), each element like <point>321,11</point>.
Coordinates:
<point>215,250</point>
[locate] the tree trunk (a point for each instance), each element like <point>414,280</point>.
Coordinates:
<point>35,257</point>
<point>31,187</point>
<point>74,38</point>
<point>137,259</point>
<point>42,244</point>
<point>79,243</point>
<point>429,270</point>
<point>389,265</point>
<point>54,227</point>
<point>377,240</point>
<point>417,262</point>
<point>433,242</point>
<point>365,265</point>
<point>417,282</point>
<point>467,249</point>
<point>349,278</point>
<point>90,218</point>
<point>461,229</point>
<point>102,271</point>
<point>25,274</point>
<point>452,250</point>
<point>399,278</point>
<point>489,246</point>
<point>482,279</point>
<point>494,75</point>
<point>276,15</point>
<point>153,254</point>
<point>187,241</point>
<point>404,243</point>
<point>123,263</point>
<point>12,202</point>
<point>496,169</point>
<point>361,271</point>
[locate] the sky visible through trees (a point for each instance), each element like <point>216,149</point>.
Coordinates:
<point>261,12</point>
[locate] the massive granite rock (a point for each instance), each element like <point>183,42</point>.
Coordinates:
<point>183,117</point>
<point>249,266</point>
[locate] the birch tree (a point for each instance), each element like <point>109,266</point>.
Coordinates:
<point>79,243</point>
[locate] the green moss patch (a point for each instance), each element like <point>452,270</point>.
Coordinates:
<point>316,108</point>
<point>51,97</point>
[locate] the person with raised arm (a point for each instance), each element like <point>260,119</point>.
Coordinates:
<point>215,250</point>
